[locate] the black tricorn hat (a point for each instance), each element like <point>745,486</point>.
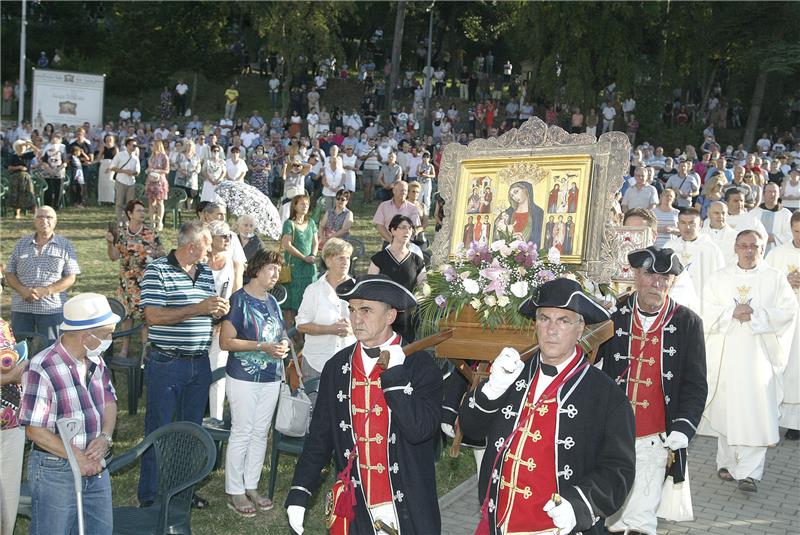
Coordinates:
<point>568,294</point>
<point>377,288</point>
<point>655,260</point>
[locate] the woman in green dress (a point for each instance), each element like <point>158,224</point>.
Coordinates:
<point>300,243</point>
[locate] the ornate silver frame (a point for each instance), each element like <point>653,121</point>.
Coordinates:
<point>609,154</point>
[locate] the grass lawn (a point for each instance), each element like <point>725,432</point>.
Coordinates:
<point>86,229</point>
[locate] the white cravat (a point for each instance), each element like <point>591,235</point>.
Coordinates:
<point>544,380</point>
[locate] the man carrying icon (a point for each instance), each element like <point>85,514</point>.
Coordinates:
<point>657,356</point>
<point>559,433</point>
<point>379,425</point>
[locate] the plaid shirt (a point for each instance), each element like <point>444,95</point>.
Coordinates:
<point>36,269</point>
<point>52,390</point>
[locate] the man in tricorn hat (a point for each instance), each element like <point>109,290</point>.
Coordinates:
<point>657,356</point>
<point>559,433</point>
<point>378,424</point>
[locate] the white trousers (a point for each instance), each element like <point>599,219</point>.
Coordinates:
<point>252,407</point>
<point>12,448</point>
<point>216,392</point>
<point>741,461</point>
<point>638,513</point>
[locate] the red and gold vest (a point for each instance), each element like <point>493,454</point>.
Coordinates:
<point>366,399</point>
<point>644,380</point>
<point>528,477</point>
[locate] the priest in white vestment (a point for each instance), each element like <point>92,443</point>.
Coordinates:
<point>738,216</point>
<point>774,217</point>
<point>749,316</point>
<point>699,255</point>
<point>718,231</point>
<point>786,259</point>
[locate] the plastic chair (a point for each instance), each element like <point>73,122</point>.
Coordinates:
<point>35,341</point>
<point>284,444</point>
<point>185,455</point>
<point>177,196</point>
<point>358,252</point>
<point>3,194</point>
<point>62,199</point>
<point>131,366</point>
<point>219,433</point>
<point>140,192</point>
<point>39,187</point>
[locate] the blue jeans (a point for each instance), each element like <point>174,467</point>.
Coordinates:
<point>177,390</point>
<point>53,499</point>
<point>46,324</point>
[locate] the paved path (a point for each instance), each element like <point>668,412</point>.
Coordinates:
<point>719,507</point>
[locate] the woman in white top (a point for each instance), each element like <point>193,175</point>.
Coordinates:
<point>105,182</point>
<point>236,167</point>
<point>333,178</point>
<point>790,191</point>
<point>323,317</point>
<point>187,168</point>
<point>227,279</point>
<point>214,172</point>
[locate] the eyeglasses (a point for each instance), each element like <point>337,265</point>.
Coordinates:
<point>404,227</point>
<point>560,323</point>
<point>223,236</point>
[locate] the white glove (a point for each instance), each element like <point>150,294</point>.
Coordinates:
<point>563,515</point>
<point>448,430</point>
<point>396,356</point>
<point>676,441</point>
<point>506,367</point>
<point>296,515</point>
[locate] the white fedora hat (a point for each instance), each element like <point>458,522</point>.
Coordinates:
<point>87,311</point>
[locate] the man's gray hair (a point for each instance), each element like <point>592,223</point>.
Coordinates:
<point>192,232</point>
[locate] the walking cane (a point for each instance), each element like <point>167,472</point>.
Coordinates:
<point>68,428</point>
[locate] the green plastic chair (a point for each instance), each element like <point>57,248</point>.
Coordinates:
<point>130,366</point>
<point>140,192</point>
<point>39,187</point>
<point>3,194</point>
<point>185,455</point>
<point>172,204</point>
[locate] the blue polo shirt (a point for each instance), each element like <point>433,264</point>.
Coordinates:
<point>165,284</point>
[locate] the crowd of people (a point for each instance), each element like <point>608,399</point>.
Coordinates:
<point>712,216</point>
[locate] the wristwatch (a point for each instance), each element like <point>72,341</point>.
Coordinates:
<point>258,346</point>
<point>110,441</point>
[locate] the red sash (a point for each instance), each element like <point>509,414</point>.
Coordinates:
<point>644,380</point>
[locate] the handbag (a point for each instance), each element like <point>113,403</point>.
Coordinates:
<point>286,271</point>
<point>676,500</point>
<point>294,408</point>
<point>114,174</point>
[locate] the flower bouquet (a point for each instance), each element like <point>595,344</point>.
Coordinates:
<point>491,279</point>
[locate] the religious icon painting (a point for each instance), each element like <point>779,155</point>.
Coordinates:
<point>525,199</point>
<point>539,184</point>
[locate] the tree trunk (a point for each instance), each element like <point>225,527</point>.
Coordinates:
<point>755,108</point>
<point>397,44</point>
<point>194,91</point>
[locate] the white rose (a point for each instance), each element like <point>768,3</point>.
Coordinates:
<point>464,275</point>
<point>554,256</point>
<point>502,301</point>
<point>490,300</point>
<point>519,289</point>
<point>475,303</point>
<point>497,245</point>
<point>505,250</point>
<point>471,286</point>
<point>426,290</point>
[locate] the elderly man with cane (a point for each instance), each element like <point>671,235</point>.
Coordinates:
<point>70,380</point>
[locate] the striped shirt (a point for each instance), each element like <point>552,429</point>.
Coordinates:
<point>165,284</point>
<point>52,389</point>
<point>37,269</point>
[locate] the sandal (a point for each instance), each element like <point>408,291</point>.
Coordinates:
<point>198,502</point>
<point>747,484</point>
<point>246,511</point>
<point>263,503</point>
<point>724,474</point>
